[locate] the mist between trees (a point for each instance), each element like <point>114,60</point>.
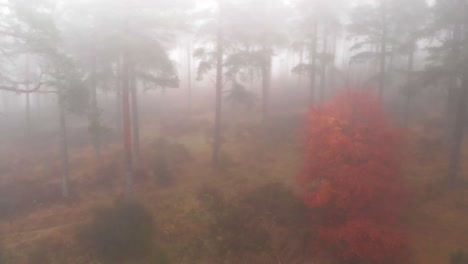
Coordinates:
<point>126,77</point>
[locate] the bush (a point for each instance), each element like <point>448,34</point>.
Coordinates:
<point>119,234</point>
<point>351,182</point>
<point>459,257</point>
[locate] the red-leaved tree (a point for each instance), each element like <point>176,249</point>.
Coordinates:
<point>351,181</point>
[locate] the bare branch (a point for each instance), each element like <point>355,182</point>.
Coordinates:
<point>14,87</point>
<point>19,90</point>
<point>46,92</point>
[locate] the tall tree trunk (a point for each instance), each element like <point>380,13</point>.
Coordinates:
<point>266,74</point>
<point>376,49</point>
<point>28,113</point>
<point>409,82</point>
<point>5,103</point>
<point>135,117</point>
<point>462,92</point>
<point>95,118</point>
<point>266,82</point>
<point>118,101</point>
<point>64,146</point>
<point>383,49</point>
<point>453,85</point>
<point>391,58</point>
<point>458,134</point>
<point>162,105</point>
<point>219,88</point>
<point>324,64</point>
<point>189,80</point>
<point>301,62</point>
<point>39,105</point>
<point>28,102</point>
<point>127,137</point>
<point>332,78</point>
<point>313,62</point>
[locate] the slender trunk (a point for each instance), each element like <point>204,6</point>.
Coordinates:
<point>162,105</point>
<point>28,113</point>
<point>5,103</point>
<point>135,118</point>
<point>301,62</point>
<point>39,105</point>
<point>118,102</point>
<point>28,103</point>
<point>376,59</point>
<point>127,137</point>
<point>95,118</point>
<point>450,108</point>
<point>409,78</point>
<point>453,80</point>
<point>391,58</point>
<point>313,61</point>
<point>266,82</point>
<point>345,63</point>
<point>458,134</point>
<point>332,77</point>
<point>64,147</point>
<point>266,75</point>
<point>219,88</point>
<point>460,108</point>
<point>383,50</point>
<point>189,81</point>
<point>323,70</point>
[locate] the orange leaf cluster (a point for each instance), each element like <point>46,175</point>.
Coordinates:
<point>351,182</point>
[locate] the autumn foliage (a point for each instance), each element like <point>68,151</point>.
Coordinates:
<point>351,181</point>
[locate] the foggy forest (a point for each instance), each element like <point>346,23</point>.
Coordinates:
<point>233,132</point>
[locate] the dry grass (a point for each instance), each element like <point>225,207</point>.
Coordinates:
<point>436,220</point>
<point>437,217</point>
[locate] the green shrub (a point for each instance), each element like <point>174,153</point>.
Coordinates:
<point>459,257</point>
<point>119,234</point>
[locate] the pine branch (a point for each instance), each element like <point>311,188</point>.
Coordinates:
<point>36,89</point>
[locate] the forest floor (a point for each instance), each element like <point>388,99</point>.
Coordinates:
<point>36,224</point>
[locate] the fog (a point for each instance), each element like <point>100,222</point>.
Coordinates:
<point>233,131</point>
